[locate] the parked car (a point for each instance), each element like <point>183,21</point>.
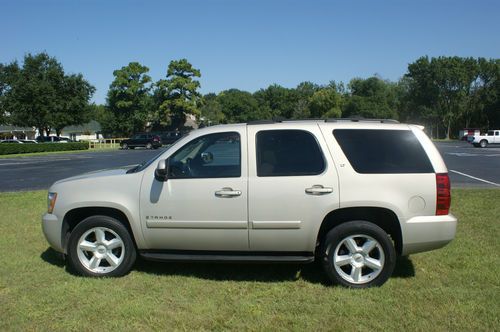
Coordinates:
<point>170,137</point>
<point>147,141</point>
<point>352,194</point>
<point>28,141</point>
<point>52,139</point>
<point>491,137</point>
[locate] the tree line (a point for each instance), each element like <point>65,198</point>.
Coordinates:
<point>444,94</point>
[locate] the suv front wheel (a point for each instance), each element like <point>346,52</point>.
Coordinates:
<point>101,246</point>
<point>358,254</point>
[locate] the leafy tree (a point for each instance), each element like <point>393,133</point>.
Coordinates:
<point>454,91</point>
<point>74,106</point>
<point>39,94</point>
<point>485,102</point>
<point>211,110</point>
<point>129,100</point>
<point>178,95</point>
<point>371,98</point>
<point>241,106</point>
<point>278,100</point>
<point>304,91</point>
<point>325,103</point>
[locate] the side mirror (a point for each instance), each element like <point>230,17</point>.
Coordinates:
<point>207,157</point>
<point>161,172</point>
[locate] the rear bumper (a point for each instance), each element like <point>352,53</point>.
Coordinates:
<point>428,233</point>
<point>52,227</point>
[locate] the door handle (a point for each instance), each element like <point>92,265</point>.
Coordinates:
<point>227,193</point>
<point>318,189</point>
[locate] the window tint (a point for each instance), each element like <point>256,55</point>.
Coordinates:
<point>288,153</point>
<point>210,156</point>
<point>383,151</point>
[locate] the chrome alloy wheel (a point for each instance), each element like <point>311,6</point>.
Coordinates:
<point>359,259</point>
<point>100,250</point>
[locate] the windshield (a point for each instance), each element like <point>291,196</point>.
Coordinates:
<point>146,163</point>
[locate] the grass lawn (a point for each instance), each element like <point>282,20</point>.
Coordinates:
<point>454,288</point>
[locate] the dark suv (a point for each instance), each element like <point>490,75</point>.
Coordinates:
<point>170,137</point>
<point>148,141</point>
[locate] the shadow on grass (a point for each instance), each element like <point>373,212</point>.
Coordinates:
<point>235,271</point>
<point>256,272</point>
<point>53,257</point>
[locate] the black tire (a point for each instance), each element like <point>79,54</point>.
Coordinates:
<point>483,143</point>
<point>149,146</point>
<point>125,146</point>
<point>383,253</point>
<point>112,229</point>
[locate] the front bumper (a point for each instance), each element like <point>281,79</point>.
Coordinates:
<point>52,228</point>
<point>428,233</point>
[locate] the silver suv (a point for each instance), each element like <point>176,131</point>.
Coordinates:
<point>352,194</point>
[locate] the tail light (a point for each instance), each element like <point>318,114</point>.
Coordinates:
<point>156,139</point>
<point>443,195</point>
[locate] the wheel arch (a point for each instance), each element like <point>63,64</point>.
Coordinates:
<point>77,215</point>
<point>382,217</point>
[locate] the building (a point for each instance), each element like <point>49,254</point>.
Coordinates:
<point>14,132</point>
<point>87,132</point>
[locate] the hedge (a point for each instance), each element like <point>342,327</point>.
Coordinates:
<point>16,148</point>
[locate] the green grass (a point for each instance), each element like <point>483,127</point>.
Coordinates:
<point>454,288</point>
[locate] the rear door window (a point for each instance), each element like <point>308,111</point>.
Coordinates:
<point>288,153</point>
<point>375,151</point>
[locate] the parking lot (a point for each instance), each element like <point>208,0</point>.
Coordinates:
<point>468,166</point>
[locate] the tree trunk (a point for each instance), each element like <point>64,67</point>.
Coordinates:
<point>448,130</point>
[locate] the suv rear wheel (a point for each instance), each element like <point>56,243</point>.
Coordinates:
<point>358,254</point>
<point>483,143</point>
<point>101,246</point>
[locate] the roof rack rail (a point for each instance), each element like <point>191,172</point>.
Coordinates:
<point>354,119</point>
<point>361,120</point>
<point>258,122</point>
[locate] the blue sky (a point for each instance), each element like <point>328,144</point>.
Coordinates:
<point>248,44</point>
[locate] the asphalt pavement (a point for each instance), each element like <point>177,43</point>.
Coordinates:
<point>39,172</point>
<point>468,166</point>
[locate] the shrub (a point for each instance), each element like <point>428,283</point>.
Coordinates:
<point>15,148</point>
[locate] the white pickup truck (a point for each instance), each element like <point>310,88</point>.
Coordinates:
<point>491,137</point>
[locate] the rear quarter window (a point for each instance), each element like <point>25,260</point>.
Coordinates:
<point>375,151</point>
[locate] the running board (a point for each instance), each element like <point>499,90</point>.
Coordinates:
<point>177,256</point>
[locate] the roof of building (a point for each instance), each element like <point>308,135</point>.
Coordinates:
<point>8,129</point>
<point>92,126</point>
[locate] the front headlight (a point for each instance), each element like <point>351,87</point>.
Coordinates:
<point>51,201</point>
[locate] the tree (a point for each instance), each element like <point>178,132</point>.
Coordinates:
<point>39,94</point>
<point>241,106</point>
<point>211,110</point>
<point>178,94</point>
<point>304,91</point>
<point>74,108</point>
<point>371,98</point>
<point>325,103</point>
<point>129,100</point>
<point>278,100</point>
<point>453,91</point>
